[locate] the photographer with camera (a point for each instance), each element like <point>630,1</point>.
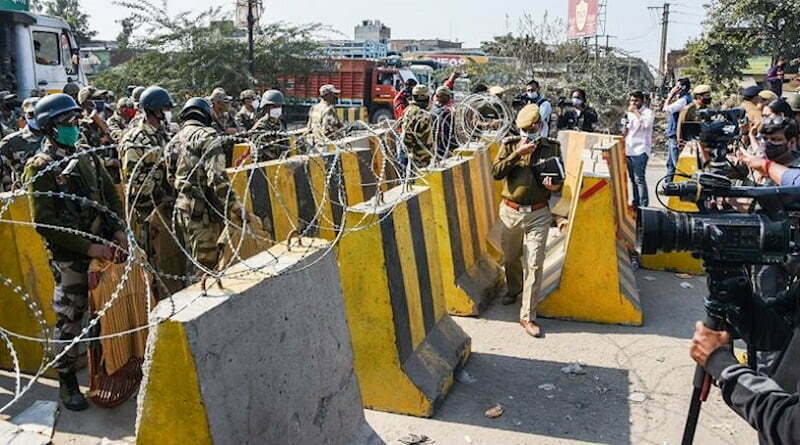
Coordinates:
<point>677,100</point>
<point>701,100</point>
<point>577,114</point>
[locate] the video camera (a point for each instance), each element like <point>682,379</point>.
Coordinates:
<point>723,238</point>
<point>716,130</point>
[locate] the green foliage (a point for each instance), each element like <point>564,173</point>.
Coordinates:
<point>192,53</point>
<point>738,29</point>
<point>71,12</point>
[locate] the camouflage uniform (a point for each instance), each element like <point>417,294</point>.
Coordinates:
<point>143,169</point>
<point>86,177</point>
<point>417,130</point>
<point>323,123</point>
<point>245,119</point>
<point>117,126</point>
<point>15,150</point>
<point>223,122</point>
<point>203,190</point>
<point>269,146</point>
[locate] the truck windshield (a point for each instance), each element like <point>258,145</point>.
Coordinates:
<point>47,47</point>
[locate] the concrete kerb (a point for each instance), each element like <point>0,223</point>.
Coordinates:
<point>267,360</point>
<point>407,348</point>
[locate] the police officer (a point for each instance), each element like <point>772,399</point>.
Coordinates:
<point>204,199</point>
<point>701,95</point>
<point>17,148</point>
<point>270,145</point>
<point>524,212</point>
<point>222,121</point>
<point>246,116</point>
<point>417,127</point>
<point>323,122</point>
<point>83,175</point>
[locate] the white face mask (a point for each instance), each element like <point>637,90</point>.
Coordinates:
<point>256,103</point>
<point>167,116</point>
<point>276,113</point>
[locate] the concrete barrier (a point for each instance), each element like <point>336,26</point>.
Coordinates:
<point>588,275</point>
<point>406,346</point>
<point>307,194</point>
<point>682,262</point>
<point>24,268</point>
<point>462,206</point>
<point>267,360</point>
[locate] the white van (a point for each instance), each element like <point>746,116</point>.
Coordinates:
<point>37,52</point>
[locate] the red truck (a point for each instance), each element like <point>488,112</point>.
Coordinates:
<point>368,88</point>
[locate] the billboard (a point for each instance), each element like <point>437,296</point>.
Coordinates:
<point>16,5</point>
<point>582,18</point>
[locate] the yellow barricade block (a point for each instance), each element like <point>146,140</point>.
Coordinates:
<point>679,261</point>
<point>488,189</point>
<point>406,346</point>
<point>265,360</point>
<point>307,193</point>
<point>24,268</point>
<point>587,274</point>
<point>460,206</point>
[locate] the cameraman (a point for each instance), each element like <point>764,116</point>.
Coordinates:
<point>781,159</point>
<point>770,405</point>
<point>577,115</point>
<point>677,100</point>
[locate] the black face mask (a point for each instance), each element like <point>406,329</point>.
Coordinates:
<point>423,103</point>
<point>706,100</point>
<point>774,151</point>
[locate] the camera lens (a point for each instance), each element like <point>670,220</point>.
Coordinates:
<point>657,230</point>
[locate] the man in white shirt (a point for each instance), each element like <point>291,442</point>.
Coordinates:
<point>677,100</point>
<point>638,146</point>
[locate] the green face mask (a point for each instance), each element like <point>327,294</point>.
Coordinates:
<point>67,135</point>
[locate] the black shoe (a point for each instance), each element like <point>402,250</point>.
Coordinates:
<point>70,392</point>
<point>509,298</point>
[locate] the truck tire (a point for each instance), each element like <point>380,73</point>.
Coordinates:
<point>382,114</point>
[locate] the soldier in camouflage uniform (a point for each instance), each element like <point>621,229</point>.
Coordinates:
<point>417,127</point>
<point>135,96</point>
<point>95,132</point>
<point>204,197</point>
<point>17,148</point>
<point>323,122</point>
<point>246,116</point>
<point>118,123</point>
<point>269,145</point>
<point>82,175</point>
<point>222,121</point>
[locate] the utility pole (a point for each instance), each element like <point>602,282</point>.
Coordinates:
<point>662,60</point>
<point>250,44</point>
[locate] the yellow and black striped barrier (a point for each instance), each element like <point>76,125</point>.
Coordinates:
<point>352,114</point>
<point>679,261</point>
<point>24,268</point>
<point>307,194</point>
<point>406,346</point>
<point>588,275</point>
<point>461,206</point>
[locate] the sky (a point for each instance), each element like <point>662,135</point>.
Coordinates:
<point>632,26</point>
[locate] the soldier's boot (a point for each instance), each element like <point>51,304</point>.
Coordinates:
<point>70,392</point>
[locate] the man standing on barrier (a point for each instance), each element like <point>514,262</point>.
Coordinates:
<point>85,177</point>
<point>524,212</point>
<point>205,200</point>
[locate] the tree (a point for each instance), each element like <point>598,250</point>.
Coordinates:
<point>738,29</point>
<point>192,53</point>
<point>71,12</point>
<point>124,37</point>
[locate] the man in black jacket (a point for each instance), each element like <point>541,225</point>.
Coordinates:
<point>771,405</point>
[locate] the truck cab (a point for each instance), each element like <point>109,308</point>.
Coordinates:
<point>37,53</point>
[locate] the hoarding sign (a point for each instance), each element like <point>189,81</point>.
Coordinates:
<point>582,18</point>
<point>15,5</point>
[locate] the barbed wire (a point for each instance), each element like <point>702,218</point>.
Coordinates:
<point>391,164</point>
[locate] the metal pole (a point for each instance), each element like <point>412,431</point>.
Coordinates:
<point>250,45</point>
<point>662,61</point>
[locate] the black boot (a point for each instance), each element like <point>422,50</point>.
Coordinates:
<point>70,392</point>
